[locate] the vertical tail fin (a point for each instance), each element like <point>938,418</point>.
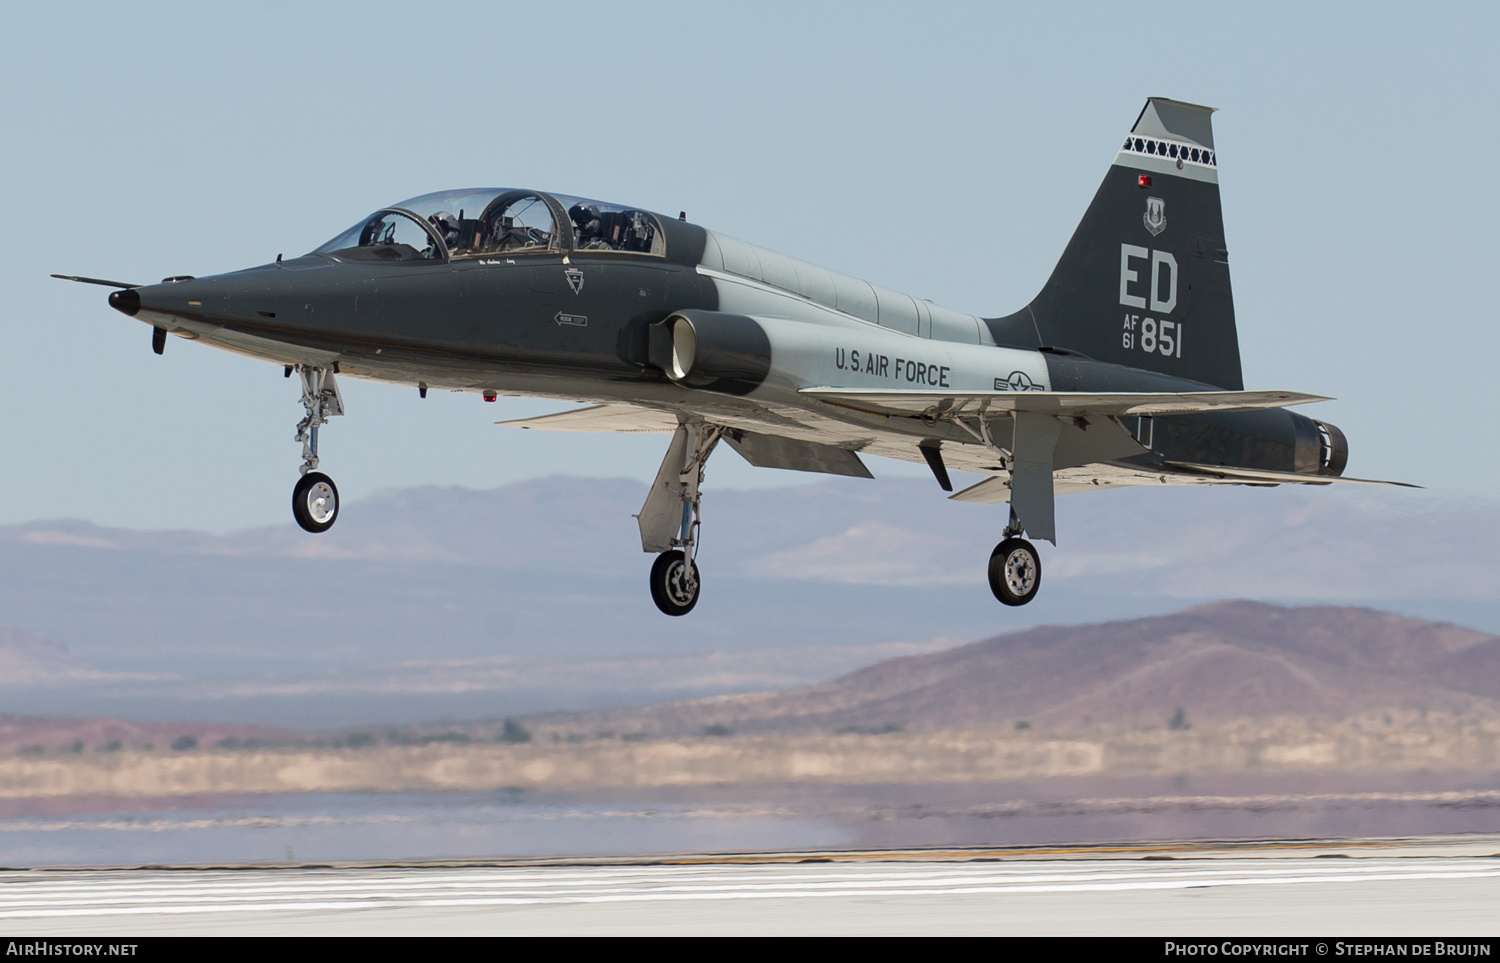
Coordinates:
<point>1144,282</point>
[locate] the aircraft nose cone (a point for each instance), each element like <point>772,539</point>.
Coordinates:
<point>127,301</point>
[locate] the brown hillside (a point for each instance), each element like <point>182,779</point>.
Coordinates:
<point>1229,660</point>
<point>38,734</point>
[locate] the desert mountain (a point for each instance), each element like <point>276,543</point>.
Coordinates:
<point>27,734</point>
<point>1218,662</point>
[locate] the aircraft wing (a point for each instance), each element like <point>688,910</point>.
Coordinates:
<point>765,449</point>
<point>623,418</point>
<point>882,401</point>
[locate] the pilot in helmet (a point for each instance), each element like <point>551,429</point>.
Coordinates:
<point>585,218</point>
<point>447,227</point>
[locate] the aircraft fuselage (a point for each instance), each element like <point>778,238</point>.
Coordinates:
<point>576,325</point>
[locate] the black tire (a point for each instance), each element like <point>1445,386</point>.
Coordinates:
<point>1015,571</point>
<point>315,502</point>
<point>669,590</point>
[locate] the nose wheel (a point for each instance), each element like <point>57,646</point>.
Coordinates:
<point>1015,571</point>
<point>674,583</point>
<point>315,502</point>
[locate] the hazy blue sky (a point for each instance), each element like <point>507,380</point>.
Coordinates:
<point>946,150</point>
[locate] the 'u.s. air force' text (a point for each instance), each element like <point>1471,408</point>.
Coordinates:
<point>898,369</point>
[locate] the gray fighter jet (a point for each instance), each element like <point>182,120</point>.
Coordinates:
<point>1125,369</point>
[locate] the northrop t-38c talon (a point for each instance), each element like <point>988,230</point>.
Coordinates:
<point>1125,369</point>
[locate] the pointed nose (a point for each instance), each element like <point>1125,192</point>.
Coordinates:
<point>127,301</point>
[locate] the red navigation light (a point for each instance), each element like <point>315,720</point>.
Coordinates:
<point>1144,180</point>
<point>489,394</point>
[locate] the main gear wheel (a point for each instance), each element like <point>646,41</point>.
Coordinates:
<point>1015,571</point>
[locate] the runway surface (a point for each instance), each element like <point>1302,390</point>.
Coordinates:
<point>1442,889</point>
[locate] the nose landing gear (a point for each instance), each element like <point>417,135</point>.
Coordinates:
<point>315,499</point>
<point>1015,568</point>
<point>315,502</point>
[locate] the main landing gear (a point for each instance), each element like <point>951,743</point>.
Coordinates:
<point>315,499</point>
<point>672,516</point>
<point>674,582</point>
<point>1015,567</point>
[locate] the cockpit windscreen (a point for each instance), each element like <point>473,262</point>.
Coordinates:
<point>490,221</point>
<point>478,222</point>
<point>598,226</point>
<point>388,235</point>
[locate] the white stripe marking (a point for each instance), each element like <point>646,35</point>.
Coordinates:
<point>110,895</point>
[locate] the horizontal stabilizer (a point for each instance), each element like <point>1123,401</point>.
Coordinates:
<point>622,418</point>
<point>883,401</point>
<point>1277,477</point>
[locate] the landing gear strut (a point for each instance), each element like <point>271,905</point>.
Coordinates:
<point>1015,567</point>
<point>672,516</point>
<point>315,499</point>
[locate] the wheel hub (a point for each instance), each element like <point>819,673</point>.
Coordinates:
<point>320,502</point>
<point>1020,573</point>
<point>680,582</point>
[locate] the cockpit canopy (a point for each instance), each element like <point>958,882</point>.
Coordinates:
<point>496,222</point>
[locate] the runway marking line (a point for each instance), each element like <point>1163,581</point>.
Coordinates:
<point>106,897</point>
<point>543,878</point>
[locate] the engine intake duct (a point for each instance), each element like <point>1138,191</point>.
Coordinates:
<point>713,351</point>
